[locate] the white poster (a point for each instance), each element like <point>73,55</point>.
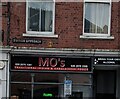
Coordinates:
<point>67,87</point>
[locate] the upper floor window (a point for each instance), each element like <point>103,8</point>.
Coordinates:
<point>40,17</point>
<point>97,14</point>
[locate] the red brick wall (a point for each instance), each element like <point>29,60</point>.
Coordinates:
<point>119,25</point>
<point>4,22</point>
<point>68,25</point>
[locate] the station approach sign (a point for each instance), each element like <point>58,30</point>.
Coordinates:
<point>50,63</point>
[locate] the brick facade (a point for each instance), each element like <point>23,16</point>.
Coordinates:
<point>22,58</point>
<point>68,27</point>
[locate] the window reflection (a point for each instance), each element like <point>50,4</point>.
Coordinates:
<point>96,18</point>
<point>40,16</point>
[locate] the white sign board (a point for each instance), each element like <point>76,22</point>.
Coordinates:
<point>67,87</point>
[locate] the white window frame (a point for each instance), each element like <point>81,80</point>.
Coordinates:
<point>109,25</point>
<point>40,33</point>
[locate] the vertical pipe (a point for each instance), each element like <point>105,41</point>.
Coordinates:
<point>6,75</point>
<point>8,24</point>
<point>32,85</point>
<point>64,86</point>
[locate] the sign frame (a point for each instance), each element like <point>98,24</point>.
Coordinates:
<point>18,63</point>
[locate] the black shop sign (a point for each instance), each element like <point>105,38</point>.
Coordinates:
<point>50,63</point>
<point>24,40</point>
<point>107,61</point>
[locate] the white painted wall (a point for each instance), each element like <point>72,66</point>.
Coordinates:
<point>3,77</point>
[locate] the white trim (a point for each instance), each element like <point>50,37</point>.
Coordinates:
<point>110,11</point>
<point>95,34</point>
<point>41,33</point>
<point>41,0</point>
<point>66,51</point>
<point>96,37</point>
<point>109,25</point>
<point>27,15</point>
<point>83,16</point>
<point>106,1</point>
<point>53,29</point>
<point>38,35</point>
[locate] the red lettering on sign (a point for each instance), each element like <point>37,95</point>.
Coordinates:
<point>44,63</point>
<point>62,63</point>
<point>51,62</point>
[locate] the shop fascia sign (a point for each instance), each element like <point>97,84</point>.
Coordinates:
<point>107,61</point>
<point>24,62</point>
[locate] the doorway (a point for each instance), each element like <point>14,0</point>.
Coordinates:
<point>105,84</point>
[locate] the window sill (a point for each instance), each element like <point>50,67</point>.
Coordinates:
<point>97,37</point>
<point>38,35</point>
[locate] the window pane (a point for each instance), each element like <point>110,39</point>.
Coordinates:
<point>21,91</point>
<point>33,19</point>
<point>53,78</point>
<point>40,16</point>
<point>96,18</point>
<point>24,91</point>
<point>86,91</point>
<point>46,17</point>
<point>48,91</point>
<point>46,20</point>
<point>20,77</point>
<point>80,78</point>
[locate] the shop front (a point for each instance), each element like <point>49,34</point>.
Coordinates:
<point>106,77</point>
<point>50,76</point>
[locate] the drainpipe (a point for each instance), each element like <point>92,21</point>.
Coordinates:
<point>8,24</point>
